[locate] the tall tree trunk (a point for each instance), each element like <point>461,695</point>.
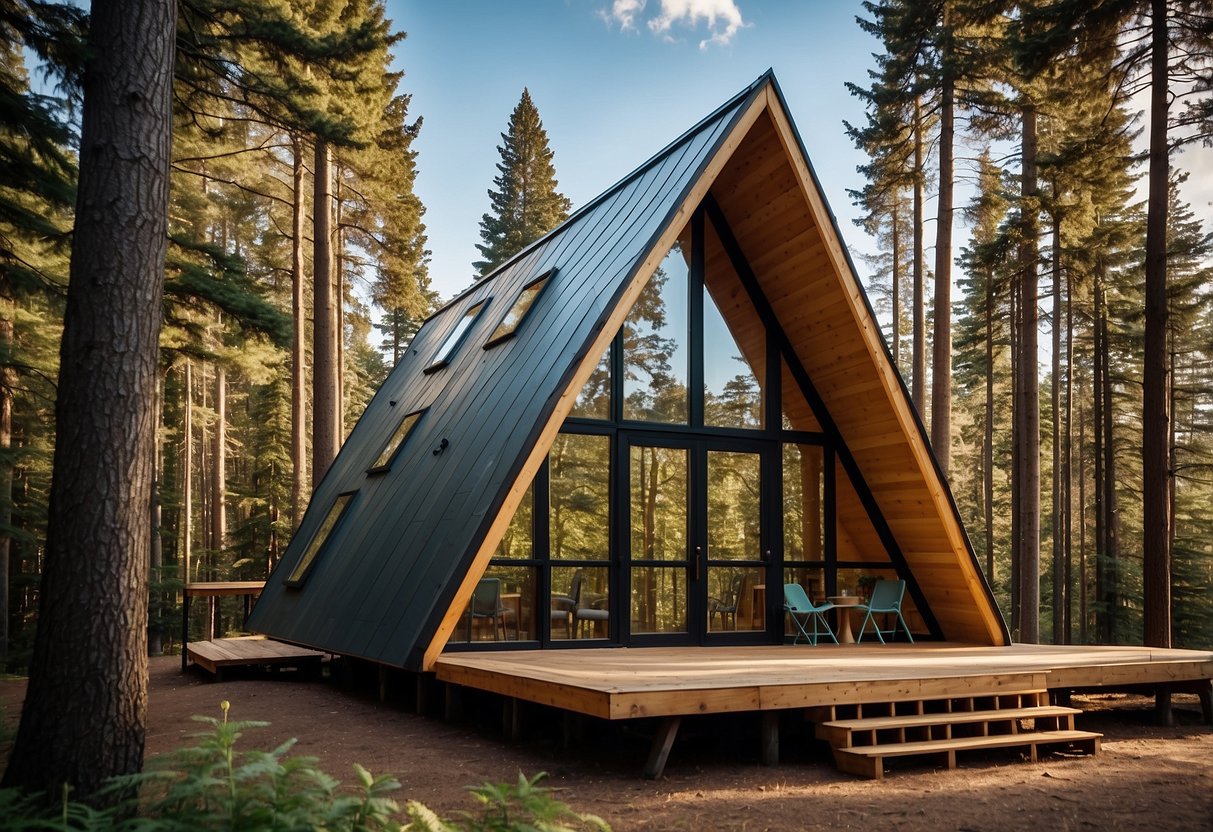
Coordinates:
<point>1067,477</point>
<point>8,381</point>
<point>941,365</point>
<point>1028,402</point>
<point>918,377</point>
<point>1059,576</point>
<point>85,710</point>
<point>325,436</point>
<point>1156,554</point>
<point>897,255</point>
<point>218,480</point>
<point>1110,599</point>
<point>155,630</point>
<point>339,305</point>
<point>1098,350</point>
<point>299,485</point>
<point>1083,610</point>
<point>987,447</point>
<point>187,476</point>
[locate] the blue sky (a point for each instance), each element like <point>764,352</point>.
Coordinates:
<point>610,95</point>
<point>616,80</point>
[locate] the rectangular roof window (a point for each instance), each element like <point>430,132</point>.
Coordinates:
<point>457,334</point>
<point>518,312</point>
<point>395,442</point>
<point>330,523</point>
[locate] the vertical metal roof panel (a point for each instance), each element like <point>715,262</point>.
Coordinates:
<point>378,589</point>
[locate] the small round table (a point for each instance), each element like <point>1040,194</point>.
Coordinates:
<point>845,602</point>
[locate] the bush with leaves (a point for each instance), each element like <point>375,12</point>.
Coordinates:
<point>212,785</point>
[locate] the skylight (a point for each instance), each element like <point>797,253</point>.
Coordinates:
<point>453,340</point>
<point>320,538</point>
<point>383,462</point>
<point>518,312</point>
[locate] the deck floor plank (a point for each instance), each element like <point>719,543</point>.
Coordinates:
<point>625,683</point>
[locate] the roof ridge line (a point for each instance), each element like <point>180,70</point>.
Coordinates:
<point>766,77</point>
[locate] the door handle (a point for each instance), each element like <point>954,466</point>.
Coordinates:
<point>695,563</point>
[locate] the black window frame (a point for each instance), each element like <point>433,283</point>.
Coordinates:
<point>458,334</point>
<point>386,466</point>
<point>499,337</point>
<point>299,575</point>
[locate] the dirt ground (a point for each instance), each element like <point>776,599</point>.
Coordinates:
<point>1146,777</point>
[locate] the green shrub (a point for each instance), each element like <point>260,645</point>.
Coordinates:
<point>211,785</point>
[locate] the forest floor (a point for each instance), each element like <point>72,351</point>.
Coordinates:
<point>1146,777</point>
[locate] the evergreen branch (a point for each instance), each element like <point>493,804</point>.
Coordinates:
<point>211,177</point>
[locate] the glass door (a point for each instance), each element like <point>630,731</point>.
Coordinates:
<point>697,563</point>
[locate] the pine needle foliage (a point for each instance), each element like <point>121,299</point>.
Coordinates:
<point>524,202</point>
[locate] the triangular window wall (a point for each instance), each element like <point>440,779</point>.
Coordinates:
<point>693,419</point>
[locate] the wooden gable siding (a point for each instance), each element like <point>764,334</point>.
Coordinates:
<point>409,549</point>
<point>802,270</point>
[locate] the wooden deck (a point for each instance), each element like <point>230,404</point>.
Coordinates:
<point>250,651</point>
<point>623,683</point>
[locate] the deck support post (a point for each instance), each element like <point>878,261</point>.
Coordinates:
<point>453,707</point>
<point>770,738</point>
<point>573,730</point>
<point>1205,692</point>
<point>420,694</point>
<point>1162,706</point>
<point>662,743</point>
<point>511,718</point>
<point>382,684</point>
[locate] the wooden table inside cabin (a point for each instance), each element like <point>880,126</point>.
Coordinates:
<point>845,604</point>
<point>213,589</point>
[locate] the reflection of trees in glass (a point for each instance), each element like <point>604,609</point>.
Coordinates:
<point>654,346</point>
<point>579,468</point>
<point>518,542</point>
<point>734,519</point>
<point>739,404</point>
<point>594,400</point>
<point>802,499</point>
<point>659,533</point>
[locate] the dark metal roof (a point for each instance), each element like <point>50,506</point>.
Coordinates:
<point>387,576</point>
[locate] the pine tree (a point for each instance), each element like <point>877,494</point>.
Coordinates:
<point>525,204</point>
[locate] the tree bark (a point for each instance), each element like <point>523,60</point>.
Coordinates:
<point>299,488</point>
<point>1029,398</point>
<point>219,464</point>
<point>1059,577</point>
<point>918,375</point>
<point>85,712</point>
<point>187,476</point>
<point>1156,554</point>
<point>8,380</point>
<point>325,436</point>
<point>897,255</point>
<point>941,365</point>
<point>987,450</point>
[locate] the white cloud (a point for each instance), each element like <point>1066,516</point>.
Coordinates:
<point>721,17</point>
<point>624,12</point>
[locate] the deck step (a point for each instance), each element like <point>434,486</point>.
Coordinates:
<point>842,732</point>
<point>863,735</point>
<point>868,760</point>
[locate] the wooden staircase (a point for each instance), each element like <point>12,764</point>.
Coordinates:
<point>863,735</point>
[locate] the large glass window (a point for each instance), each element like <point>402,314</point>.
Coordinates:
<point>803,502</point>
<point>655,349</point>
<point>580,489</point>
<point>594,400</point>
<point>320,539</point>
<point>734,346</point>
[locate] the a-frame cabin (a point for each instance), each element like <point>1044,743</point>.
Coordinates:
<point>624,435</point>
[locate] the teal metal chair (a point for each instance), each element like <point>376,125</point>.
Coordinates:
<point>486,606</point>
<point>803,612</point>
<point>885,601</point>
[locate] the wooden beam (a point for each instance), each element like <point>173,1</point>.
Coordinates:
<point>662,743</point>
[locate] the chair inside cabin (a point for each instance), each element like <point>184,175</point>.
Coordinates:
<point>485,608</point>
